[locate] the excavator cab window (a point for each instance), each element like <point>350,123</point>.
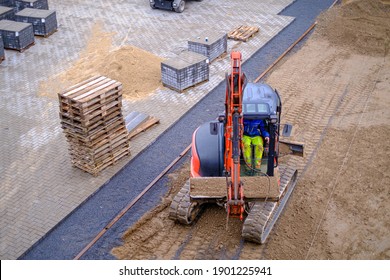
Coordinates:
<point>256,109</point>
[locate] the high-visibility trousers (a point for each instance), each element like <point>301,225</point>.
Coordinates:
<point>258,143</point>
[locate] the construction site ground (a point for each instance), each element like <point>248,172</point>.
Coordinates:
<point>124,40</point>
<point>334,91</point>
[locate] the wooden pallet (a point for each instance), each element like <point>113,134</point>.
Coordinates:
<point>91,142</point>
<point>105,154</point>
<point>95,150</point>
<point>65,107</point>
<point>93,117</point>
<point>102,123</point>
<point>25,48</point>
<point>137,122</point>
<point>92,120</point>
<point>91,138</point>
<point>95,169</point>
<point>149,122</point>
<point>69,105</point>
<point>48,34</point>
<point>20,50</point>
<point>243,33</point>
<point>90,91</point>
<point>101,155</point>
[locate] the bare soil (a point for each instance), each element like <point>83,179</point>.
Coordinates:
<point>137,69</point>
<point>335,93</point>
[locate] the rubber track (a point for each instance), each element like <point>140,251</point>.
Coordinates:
<point>181,209</point>
<point>263,215</point>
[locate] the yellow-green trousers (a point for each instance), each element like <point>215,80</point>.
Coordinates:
<point>258,143</point>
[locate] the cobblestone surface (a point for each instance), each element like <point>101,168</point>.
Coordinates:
<point>38,186</point>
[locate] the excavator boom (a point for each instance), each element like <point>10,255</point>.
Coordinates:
<point>233,132</point>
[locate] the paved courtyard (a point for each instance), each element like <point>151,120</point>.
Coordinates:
<point>39,186</point>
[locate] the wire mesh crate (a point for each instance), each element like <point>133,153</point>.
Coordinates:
<point>213,45</point>
<point>44,22</point>
<point>186,70</point>
<point>7,13</point>
<point>16,35</point>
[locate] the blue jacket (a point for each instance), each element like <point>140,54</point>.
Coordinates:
<point>254,128</point>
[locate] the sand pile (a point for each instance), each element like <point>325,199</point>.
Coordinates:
<point>138,70</point>
<point>358,25</point>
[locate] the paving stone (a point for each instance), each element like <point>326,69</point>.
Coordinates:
<point>16,35</point>
<point>6,13</point>
<point>44,22</point>
<point>185,70</point>
<point>210,44</point>
<point>36,4</point>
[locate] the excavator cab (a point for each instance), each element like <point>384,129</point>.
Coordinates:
<point>260,101</point>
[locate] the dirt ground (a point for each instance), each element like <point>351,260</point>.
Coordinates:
<point>335,93</point>
<point>138,70</point>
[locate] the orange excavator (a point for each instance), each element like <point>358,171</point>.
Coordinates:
<point>219,172</point>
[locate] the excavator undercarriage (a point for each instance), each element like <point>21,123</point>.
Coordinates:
<point>262,213</point>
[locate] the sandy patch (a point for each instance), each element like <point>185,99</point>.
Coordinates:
<point>138,70</point>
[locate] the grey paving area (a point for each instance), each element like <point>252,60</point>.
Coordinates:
<point>38,186</point>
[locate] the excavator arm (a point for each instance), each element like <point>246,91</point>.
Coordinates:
<point>233,136</point>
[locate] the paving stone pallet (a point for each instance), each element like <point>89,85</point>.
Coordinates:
<point>16,35</point>
<point>44,21</point>
<point>92,120</point>
<point>7,13</point>
<point>212,45</point>
<point>35,4</point>
<point>2,54</point>
<point>184,71</point>
<point>8,3</point>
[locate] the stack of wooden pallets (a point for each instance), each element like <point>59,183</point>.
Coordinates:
<point>91,116</point>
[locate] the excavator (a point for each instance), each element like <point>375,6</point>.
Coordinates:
<point>219,171</point>
<point>174,5</point>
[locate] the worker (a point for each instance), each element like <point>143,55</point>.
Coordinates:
<point>254,131</point>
